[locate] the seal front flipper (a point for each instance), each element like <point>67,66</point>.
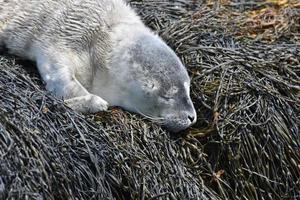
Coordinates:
<point>87,104</point>
<point>58,71</point>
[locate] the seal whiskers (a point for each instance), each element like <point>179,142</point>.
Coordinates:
<point>159,120</point>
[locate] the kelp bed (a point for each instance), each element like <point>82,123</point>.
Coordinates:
<point>244,60</point>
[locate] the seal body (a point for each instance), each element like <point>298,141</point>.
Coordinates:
<point>96,53</point>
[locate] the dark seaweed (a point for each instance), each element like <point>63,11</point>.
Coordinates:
<point>245,145</point>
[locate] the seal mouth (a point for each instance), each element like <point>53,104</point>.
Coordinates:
<point>171,124</point>
<point>176,123</point>
<point>176,126</point>
<point>175,129</point>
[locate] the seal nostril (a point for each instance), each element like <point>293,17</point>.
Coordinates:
<point>191,118</point>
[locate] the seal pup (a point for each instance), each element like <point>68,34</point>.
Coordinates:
<point>96,53</point>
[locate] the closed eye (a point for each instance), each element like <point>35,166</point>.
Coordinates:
<point>166,98</point>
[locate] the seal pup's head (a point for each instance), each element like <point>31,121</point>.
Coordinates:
<point>145,76</point>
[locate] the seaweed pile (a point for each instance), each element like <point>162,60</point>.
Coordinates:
<point>244,60</point>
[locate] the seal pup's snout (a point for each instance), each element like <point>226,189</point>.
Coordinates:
<point>192,118</point>
<point>180,121</point>
<point>191,114</point>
